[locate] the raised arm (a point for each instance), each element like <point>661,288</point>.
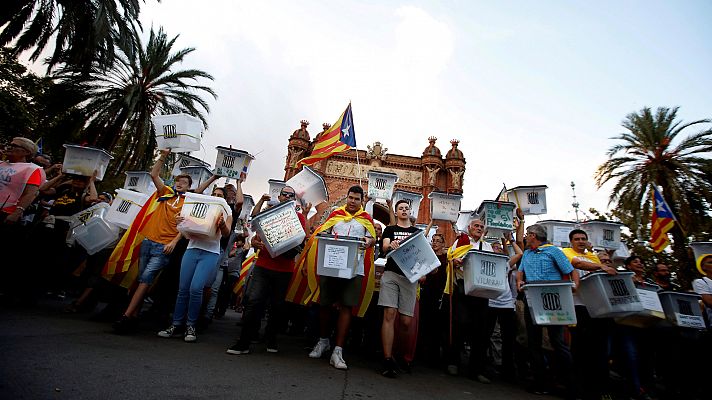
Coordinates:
<point>156,171</point>
<point>201,188</point>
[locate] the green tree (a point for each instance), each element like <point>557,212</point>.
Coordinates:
<point>38,107</point>
<point>654,153</point>
<point>139,85</point>
<point>84,31</point>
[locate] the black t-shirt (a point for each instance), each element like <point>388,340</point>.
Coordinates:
<point>68,202</point>
<point>395,232</point>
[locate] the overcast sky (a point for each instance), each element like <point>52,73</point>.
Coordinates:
<point>533,90</point>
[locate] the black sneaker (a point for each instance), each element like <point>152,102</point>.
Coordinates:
<point>239,348</point>
<point>125,325</point>
<point>272,345</point>
<point>390,368</point>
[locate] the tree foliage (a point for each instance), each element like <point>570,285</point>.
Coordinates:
<point>654,152</point>
<point>141,83</point>
<point>85,32</point>
<point>38,107</point>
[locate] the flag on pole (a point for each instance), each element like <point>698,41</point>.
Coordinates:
<point>339,138</point>
<point>40,146</point>
<point>662,221</point>
<point>502,196</point>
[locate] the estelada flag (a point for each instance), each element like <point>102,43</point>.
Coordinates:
<point>304,285</point>
<point>339,138</point>
<point>662,221</point>
<point>122,267</point>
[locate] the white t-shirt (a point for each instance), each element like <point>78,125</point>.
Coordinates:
<point>704,286</point>
<point>506,299</point>
<point>355,229</point>
<point>210,245</point>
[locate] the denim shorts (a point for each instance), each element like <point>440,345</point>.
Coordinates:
<point>151,261</point>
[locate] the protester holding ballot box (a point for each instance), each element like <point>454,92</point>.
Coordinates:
<point>397,294</point>
<point>469,313</point>
<point>502,309</point>
<point>199,264</point>
<point>144,249</point>
<point>590,337</point>
<point>347,295</point>
<point>269,282</point>
<point>543,262</point>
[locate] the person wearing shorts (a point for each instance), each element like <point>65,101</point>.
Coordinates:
<point>339,293</point>
<point>397,294</point>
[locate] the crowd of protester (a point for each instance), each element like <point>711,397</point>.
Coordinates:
<point>430,323</point>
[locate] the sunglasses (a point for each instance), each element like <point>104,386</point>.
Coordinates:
<point>287,194</point>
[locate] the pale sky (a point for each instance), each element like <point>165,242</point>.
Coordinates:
<point>533,90</point>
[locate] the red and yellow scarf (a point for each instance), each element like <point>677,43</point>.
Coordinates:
<point>304,286</point>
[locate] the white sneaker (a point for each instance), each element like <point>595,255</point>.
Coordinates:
<point>337,361</point>
<point>320,349</point>
<point>190,335</point>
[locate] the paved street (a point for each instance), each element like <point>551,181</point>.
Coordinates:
<point>50,355</point>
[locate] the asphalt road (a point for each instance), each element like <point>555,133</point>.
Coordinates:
<point>45,354</point>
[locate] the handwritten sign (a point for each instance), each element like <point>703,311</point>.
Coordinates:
<point>445,207</point>
<point>336,257</point>
<point>415,257</point>
<point>280,227</point>
<point>551,304</point>
<point>232,163</point>
<point>499,216</point>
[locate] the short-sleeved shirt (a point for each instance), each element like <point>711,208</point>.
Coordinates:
<point>395,232</point>
<point>68,202</point>
<point>161,226</point>
<point>704,286</point>
<point>281,263</point>
<point>571,254</point>
<point>14,177</point>
<point>545,263</point>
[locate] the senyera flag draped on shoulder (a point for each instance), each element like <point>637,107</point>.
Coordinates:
<point>662,221</point>
<point>339,138</point>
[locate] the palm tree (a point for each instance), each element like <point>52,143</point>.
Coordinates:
<point>84,31</point>
<point>139,85</point>
<point>647,157</point>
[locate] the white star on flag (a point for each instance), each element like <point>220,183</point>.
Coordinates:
<point>345,131</point>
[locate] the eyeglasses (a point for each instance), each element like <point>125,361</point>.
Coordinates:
<point>287,194</point>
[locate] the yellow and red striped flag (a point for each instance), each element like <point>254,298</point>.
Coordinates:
<point>122,267</point>
<point>340,137</point>
<point>244,272</point>
<point>304,286</point>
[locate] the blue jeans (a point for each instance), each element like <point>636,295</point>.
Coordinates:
<point>196,268</point>
<point>151,261</point>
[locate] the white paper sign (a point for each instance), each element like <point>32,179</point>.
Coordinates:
<point>561,234</point>
<point>336,257</point>
<point>690,321</point>
<point>650,300</point>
